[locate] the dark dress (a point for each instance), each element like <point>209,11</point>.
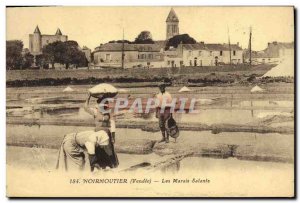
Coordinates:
<point>106,155</point>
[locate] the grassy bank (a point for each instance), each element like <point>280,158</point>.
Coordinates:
<point>193,75</point>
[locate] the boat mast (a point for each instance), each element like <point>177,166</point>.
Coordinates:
<point>123,51</point>
<point>229,46</point>
<point>250,47</point>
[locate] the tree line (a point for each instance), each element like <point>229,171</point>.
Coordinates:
<point>145,37</point>
<point>15,59</point>
<point>66,53</point>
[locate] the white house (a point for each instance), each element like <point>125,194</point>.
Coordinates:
<point>200,54</point>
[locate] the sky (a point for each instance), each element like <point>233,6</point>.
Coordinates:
<point>91,26</point>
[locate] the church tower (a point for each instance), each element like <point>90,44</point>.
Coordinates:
<point>36,42</point>
<point>172,24</point>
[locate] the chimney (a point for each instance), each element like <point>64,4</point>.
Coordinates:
<point>238,44</point>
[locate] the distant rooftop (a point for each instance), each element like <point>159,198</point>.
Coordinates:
<point>222,47</point>
<point>128,47</point>
<point>196,46</point>
<point>285,45</point>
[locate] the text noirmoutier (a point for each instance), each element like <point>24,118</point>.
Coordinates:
<point>136,181</point>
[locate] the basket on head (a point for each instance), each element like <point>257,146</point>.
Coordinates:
<point>103,90</point>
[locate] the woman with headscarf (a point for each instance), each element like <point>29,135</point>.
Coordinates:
<point>104,121</point>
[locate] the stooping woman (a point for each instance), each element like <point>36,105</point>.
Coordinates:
<point>75,146</point>
<point>97,143</point>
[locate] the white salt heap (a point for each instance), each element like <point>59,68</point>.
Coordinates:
<point>257,89</point>
<point>68,89</point>
<point>285,68</point>
<point>184,89</point>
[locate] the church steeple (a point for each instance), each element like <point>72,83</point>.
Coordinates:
<point>58,32</point>
<point>37,30</point>
<point>172,22</point>
<point>172,17</point>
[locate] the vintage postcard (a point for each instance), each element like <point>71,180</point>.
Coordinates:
<point>153,102</point>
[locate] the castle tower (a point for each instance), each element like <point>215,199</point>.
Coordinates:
<point>58,32</point>
<point>172,25</point>
<point>36,42</point>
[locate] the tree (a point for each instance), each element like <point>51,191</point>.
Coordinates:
<point>14,57</point>
<point>48,55</point>
<point>73,55</point>
<point>176,40</point>
<point>28,60</point>
<point>40,60</point>
<point>60,52</point>
<point>144,37</point>
<point>67,53</point>
<point>120,41</point>
<point>80,59</point>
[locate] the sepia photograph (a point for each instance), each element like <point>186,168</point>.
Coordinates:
<point>150,101</point>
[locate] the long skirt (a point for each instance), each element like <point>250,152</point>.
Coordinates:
<point>71,155</point>
<point>106,155</point>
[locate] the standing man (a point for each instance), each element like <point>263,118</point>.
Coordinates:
<point>163,110</point>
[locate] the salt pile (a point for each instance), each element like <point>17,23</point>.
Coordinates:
<point>257,89</point>
<point>283,69</point>
<point>68,89</point>
<point>184,89</point>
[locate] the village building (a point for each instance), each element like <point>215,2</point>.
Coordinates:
<point>201,54</point>
<point>260,57</point>
<point>173,57</point>
<point>37,40</point>
<point>155,55</point>
<point>280,49</point>
<point>195,54</point>
<point>88,53</point>
<point>273,54</point>
<point>135,55</point>
<point>221,54</point>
